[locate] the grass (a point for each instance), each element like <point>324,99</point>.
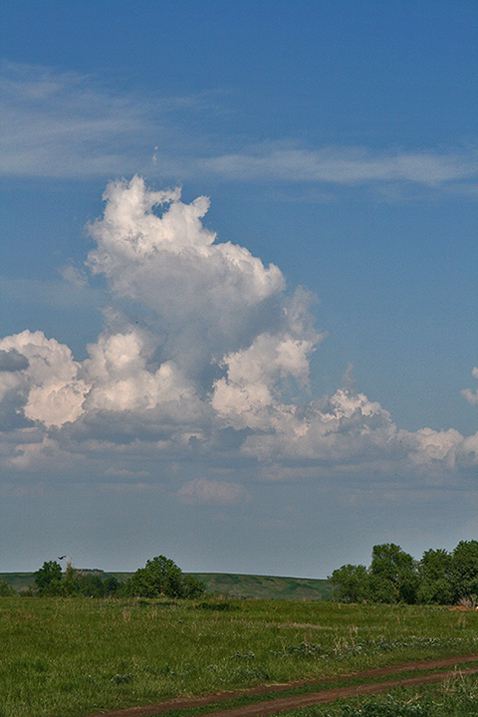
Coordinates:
<point>71,657</point>
<point>452,698</point>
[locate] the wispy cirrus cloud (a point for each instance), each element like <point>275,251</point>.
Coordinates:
<point>66,125</point>
<point>346,165</point>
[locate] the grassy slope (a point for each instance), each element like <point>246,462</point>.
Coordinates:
<point>265,587</point>
<point>235,586</point>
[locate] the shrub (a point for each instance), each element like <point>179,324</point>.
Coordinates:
<point>6,590</point>
<point>48,579</point>
<point>161,576</point>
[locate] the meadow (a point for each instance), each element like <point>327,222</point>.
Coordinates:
<point>70,657</point>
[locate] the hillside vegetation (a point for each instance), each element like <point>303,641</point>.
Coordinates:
<point>224,584</point>
<point>265,587</point>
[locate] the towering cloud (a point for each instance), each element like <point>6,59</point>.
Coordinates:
<point>199,297</point>
<point>204,354</point>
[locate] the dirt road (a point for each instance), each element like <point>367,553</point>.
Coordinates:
<point>272,706</point>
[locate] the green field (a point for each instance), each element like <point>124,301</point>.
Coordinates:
<point>228,585</point>
<point>70,657</point>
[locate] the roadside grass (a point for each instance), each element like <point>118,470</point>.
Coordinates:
<point>452,698</point>
<point>244,699</point>
<point>63,657</point>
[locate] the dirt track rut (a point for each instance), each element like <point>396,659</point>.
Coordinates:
<point>282,704</point>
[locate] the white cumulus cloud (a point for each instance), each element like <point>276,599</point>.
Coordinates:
<point>204,298</point>
<point>53,392</point>
<point>204,358</point>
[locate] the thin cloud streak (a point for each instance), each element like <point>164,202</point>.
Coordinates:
<point>65,125</point>
<point>337,165</point>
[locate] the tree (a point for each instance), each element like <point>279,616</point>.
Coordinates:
<point>434,571</point>
<point>161,576</point>
<point>111,586</point>
<point>464,570</point>
<point>90,585</point>
<point>48,578</point>
<point>193,588</point>
<point>393,575</point>
<point>351,583</point>
<point>70,585</point>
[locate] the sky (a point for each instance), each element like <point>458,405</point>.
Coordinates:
<point>238,281</point>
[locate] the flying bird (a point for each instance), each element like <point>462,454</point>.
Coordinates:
<point>62,557</point>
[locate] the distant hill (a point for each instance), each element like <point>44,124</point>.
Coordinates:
<point>20,581</point>
<point>265,587</point>
<point>262,587</point>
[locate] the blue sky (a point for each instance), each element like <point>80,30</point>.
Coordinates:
<point>271,380</point>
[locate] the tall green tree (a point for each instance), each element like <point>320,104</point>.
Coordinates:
<point>464,570</point>
<point>393,575</point>
<point>435,584</point>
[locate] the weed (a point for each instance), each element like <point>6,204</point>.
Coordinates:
<point>390,708</point>
<point>304,649</point>
<point>122,679</point>
<point>222,606</point>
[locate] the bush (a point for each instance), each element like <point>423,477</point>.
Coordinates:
<point>6,590</point>
<point>161,576</point>
<point>48,579</point>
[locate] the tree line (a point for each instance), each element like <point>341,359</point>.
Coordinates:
<point>394,576</point>
<point>160,577</point>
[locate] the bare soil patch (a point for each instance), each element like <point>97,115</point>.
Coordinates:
<point>271,707</point>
